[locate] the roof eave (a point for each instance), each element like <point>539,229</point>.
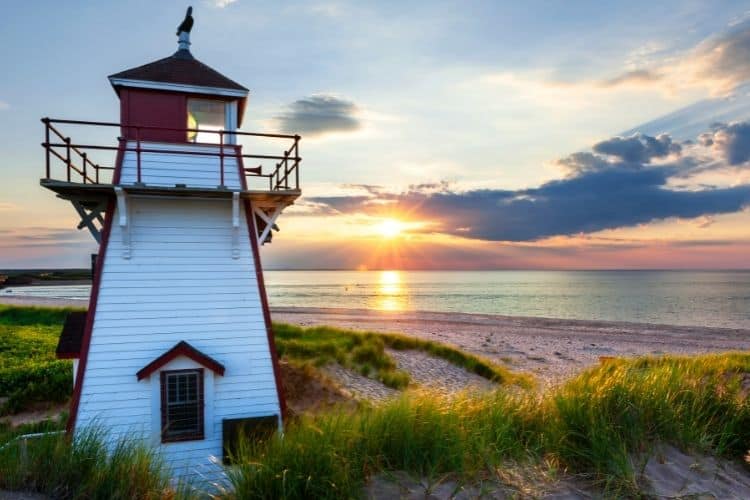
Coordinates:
<point>118,83</point>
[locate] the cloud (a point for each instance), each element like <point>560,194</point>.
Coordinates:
<point>638,76</point>
<point>726,59</point>
<point>719,63</point>
<point>319,115</point>
<point>618,185</point>
<point>4,105</point>
<point>732,141</point>
<point>221,3</point>
<point>41,237</point>
<point>638,148</point>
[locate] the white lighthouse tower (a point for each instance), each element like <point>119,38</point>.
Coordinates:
<point>176,345</point>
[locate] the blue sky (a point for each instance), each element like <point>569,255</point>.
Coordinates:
<point>474,95</point>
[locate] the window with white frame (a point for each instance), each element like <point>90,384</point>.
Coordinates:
<point>207,115</point>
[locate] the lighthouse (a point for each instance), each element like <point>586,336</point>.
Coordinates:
<point>176,347</point>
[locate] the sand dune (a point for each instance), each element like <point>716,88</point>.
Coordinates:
<point>552,349</point>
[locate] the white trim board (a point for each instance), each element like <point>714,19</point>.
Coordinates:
<point>177,87</point>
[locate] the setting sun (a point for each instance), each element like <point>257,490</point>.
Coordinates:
<point>390,228</point>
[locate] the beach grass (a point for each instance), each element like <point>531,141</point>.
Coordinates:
<point>596,426</point>
<point>365,352</point>
<point>30,374</point>
<point>85,467</point>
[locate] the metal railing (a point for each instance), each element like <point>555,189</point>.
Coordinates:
<point>79,166</point>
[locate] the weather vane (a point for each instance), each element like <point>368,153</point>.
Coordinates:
<point>187,23</point>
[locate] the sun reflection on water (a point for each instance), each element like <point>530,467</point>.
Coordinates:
<point>391,296</point>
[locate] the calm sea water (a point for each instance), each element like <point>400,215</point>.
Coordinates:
<point>703,298</point>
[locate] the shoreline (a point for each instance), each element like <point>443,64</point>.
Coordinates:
<point>552,349</point>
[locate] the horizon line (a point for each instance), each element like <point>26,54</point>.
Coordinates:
<point>696,269</point>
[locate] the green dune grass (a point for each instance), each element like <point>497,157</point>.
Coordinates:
<point>29,372</point>
<point>365,352</point>
<point>593,426</point>
<point>85,468</point>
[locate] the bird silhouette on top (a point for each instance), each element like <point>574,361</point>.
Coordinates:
<point>187,23</point>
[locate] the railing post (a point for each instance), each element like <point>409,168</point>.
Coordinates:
<point>46,143</point>
<point>138,152</point>
<point>67,156</point>
<point>96,169</point>
<point>286,169</point>
<point>296,162</point>
<point>83,155</point>
<point>221,156</point>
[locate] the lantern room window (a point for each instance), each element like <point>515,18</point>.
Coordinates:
<point>181,405</point>
<point>207,115</point>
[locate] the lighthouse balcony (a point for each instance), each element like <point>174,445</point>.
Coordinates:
<point>164,161</point>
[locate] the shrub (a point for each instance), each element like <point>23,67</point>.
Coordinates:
<point>397,379</point>
<point>34,383</point>
<point>373,353</point>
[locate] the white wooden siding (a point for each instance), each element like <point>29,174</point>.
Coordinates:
<point>167,168</point>
<point>193,291</point>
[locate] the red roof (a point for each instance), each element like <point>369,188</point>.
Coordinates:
<point>181,349</point>
<point>181,68</point>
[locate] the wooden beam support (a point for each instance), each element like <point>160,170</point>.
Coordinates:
<point>269,220</point>
<point>88,217</point>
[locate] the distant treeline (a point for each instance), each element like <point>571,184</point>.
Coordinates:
<point>9,277</point>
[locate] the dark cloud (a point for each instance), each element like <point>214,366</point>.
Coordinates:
<point>430,186</point>
<point>638,148</point>
<point>732,140</point>
<point>370,188</point>
<point>348,204</point>
<point>318,115</point>
<point>620,189</point>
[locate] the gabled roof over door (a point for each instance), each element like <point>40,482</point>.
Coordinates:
<point>182,348</point>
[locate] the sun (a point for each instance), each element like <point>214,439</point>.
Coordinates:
<point>390,228</point>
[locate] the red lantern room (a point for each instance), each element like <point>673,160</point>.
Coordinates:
<point>175,93</point>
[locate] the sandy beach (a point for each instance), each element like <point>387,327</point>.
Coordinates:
<point>551,349</point>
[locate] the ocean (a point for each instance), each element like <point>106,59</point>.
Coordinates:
<point>695,298</point>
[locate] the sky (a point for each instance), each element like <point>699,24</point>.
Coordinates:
<point>435,135</point>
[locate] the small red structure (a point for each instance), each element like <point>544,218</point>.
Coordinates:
<point>177,345</point>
